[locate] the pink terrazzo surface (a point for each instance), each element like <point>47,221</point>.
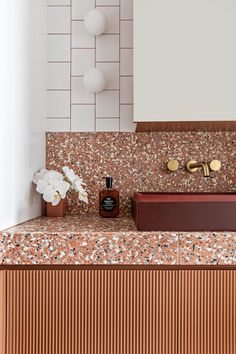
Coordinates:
<point>89,239</point>
<point>137,161</point>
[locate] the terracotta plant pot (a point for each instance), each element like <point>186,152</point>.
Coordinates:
<point>58,210</point>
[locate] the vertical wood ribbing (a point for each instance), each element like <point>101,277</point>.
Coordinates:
<point>92,312</point>
<point>3,305</point>
<point>207,312</point>
<point>118,311</point>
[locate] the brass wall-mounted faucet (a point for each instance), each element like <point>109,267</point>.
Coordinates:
<point>193,166</point>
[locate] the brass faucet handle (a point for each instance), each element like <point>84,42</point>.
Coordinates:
<point>215,165</point>
<point>173,165</point>
<point>189,166</point>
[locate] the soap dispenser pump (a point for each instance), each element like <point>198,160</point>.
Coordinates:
<point>109,200</point>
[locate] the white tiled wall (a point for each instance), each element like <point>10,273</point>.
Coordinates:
<point>72,51</point>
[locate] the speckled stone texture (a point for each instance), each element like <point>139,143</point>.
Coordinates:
<point>89,239</point>
<point>137,161</point>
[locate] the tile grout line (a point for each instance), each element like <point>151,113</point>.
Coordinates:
<point>83,104</point>
<point>58,118</point>
<point>57,62</point>
<point>83,48</point>
<point>59,33</point>
<point>95,95</point>
<point>107,61</point>
<point>58,5</point>
<point>57,90</point>
<point>107,118</point>
<point>119,64</point>
<point>108,6</point>
<point>70,63</point>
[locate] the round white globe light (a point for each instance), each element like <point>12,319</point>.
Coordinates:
<point>94,80</point>
<point>95,22</point>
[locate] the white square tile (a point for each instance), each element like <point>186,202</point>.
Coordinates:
<point>107,125</point>
<point>82,118</point>
<point>126,90</point>
<point>126,9</point>
<point>107,104</point>
<point>58,2</point>
<point>58,19</point>
<point>58,125</point>
<point>126,119</point>
<point>58,75</point>
<point>79,95</point>
<point>108,48</point>
<point>58,47</point>
<point>126,34</point>
<point>111,71</point>
<point>107,2</point>
<point>82,60</point>
<point>81,7</point>
<point>58,104</point>
<point>113,19</point>
<point>80,37</point>
<point>126,62</point>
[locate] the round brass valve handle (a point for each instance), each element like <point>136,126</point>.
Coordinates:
<point>189,168</point>
<point>215,165</point>
<point>173,165</point>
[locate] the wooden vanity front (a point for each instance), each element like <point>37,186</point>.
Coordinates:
<point>87,285</point>
<point>118,309</point>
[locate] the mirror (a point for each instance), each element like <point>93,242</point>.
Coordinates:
<point>184,60</point>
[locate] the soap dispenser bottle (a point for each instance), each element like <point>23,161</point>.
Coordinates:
<point>109,200</point>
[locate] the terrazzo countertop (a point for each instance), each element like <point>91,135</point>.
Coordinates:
<point>89,239</point>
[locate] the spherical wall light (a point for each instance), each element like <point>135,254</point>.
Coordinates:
<point>94,80</point>
<point>95,22</point>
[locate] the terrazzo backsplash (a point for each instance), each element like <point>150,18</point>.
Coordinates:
<point>137,162</point>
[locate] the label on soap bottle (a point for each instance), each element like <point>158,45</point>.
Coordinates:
<point>108,203</point>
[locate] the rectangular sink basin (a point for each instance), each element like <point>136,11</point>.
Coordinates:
<point>184,211</point>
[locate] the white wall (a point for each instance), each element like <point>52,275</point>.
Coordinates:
<point>23,107</point>
<point>184,60</point>
<point>72,51</point>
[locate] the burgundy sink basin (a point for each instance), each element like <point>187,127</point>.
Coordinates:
<point>184,211</point>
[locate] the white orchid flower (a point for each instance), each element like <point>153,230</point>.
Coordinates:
<point>41,186</point>
<point>52,187</point>
<point>39,175</point>
<point>56,191</point>
<point>51,196</point>
<point>53,176</point>
<point>82,194</point>
<point>69,174</point>
<point>76,183</point>
<point>49,177</point>
<point>83,197</point>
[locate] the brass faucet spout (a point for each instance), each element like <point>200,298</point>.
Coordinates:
<point>203,165</point>
<point>207,170</point>
<point>193,166</point>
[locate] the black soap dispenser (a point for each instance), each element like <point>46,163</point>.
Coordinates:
<point>109,200</point>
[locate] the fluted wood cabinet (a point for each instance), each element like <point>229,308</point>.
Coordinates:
<point>118,311</point>
<point>207,312</point>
